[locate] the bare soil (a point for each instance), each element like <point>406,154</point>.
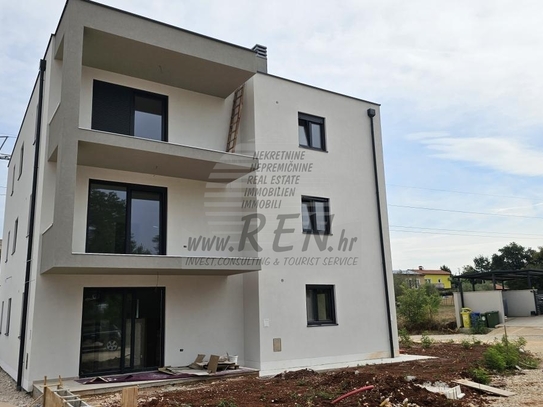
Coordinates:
<point>309,388</point>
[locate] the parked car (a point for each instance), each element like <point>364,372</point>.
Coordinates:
<point>101,334</point>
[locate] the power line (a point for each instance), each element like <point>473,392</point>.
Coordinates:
<point>465,212</point>
<point>467,231</point>
<point>458,192</point>
<point>460,234</point>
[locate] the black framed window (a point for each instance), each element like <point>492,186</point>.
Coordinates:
<point>7,247</point>
<point>21,161</point>
<point>15,232</point>
<point>8,317</point>
<point>2,317</point>
<point>311,132</point>
<point>320,304</point>
<point>123,110</point>
<point>126,218</point>
<point>316,215</point>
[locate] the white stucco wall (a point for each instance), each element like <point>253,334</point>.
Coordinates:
<point>202,315</point>
<point>479,301</point>
<point>194,119</point>
<point>520,303</point>
<point>188,215</point>
<point>345,175</point>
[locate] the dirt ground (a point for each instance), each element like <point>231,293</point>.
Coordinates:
<point>309,388</point>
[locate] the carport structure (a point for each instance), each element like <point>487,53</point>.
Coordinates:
<point>500,277</point>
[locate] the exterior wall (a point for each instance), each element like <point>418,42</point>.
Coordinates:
<point>194,119</point>
<point>439,279</point>
<point>479,301</point>
<point>198,311</point>
<point>345,175</point>
<point>241,314</point>
<point>520,303</point>
<point>187,216</point>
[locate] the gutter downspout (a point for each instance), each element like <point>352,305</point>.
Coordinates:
<point>22,340</point>
<point>371,115</point>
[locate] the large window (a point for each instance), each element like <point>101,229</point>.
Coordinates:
<point>125,218</point>
<point>321,309</point>
<point>133,112</point>
<point>311,132</point>
<point>315,215</point>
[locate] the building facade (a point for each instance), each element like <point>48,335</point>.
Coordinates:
<point>134,240</point>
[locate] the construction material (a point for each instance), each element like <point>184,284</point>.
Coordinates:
<point>486,389</point>
<point>61,398</point>
<point>352,393</point>
<point>235,120</point>
<point>129,397</point>
<point>452,393</point>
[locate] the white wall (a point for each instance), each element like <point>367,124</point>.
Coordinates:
<point>520,303</point>
<point>203,315</point>
<point>345,175</point>
<point>194,119</point>
<point>191,212</point>
<point>479,301</point>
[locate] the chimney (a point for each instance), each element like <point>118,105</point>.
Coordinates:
<point>421,268</point>
<point>260,51</point>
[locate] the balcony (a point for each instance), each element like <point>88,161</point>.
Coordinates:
<point>127,153</point>
<point>127,264</point>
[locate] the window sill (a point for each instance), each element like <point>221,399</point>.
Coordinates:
<point>313,148</point>
<point>307,232</point>
<point>323,324</point>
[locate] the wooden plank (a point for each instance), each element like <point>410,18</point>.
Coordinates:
<point>51,399</point>
<point>129,397</point>
<point>487,389</point>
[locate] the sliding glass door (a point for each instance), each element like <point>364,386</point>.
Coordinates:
<point>122,330</point>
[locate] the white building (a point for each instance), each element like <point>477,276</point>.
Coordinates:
<point>120,177</point>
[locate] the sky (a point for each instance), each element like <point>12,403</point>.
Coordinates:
<point>459,83</point>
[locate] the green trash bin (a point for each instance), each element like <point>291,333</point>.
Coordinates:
<point>465,313</point>
<point>492,318</point>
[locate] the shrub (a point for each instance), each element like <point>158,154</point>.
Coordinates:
<point>418,306</point>
<point>494,359</point>
<point>466,344</point>
<point>426,341</point>
<point>480,375</point>
<point>405,339</point>
<point>507,354</point>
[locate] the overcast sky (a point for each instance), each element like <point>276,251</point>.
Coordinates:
<point>459,82</point>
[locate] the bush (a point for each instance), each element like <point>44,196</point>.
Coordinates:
<point>506,355</point>
<point>426,341</point>
<point>405,339</point>
<point>480,375</point>
<point>418,306</point>
<point>479,328</point>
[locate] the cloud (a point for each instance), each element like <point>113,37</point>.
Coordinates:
<point>499,154</point>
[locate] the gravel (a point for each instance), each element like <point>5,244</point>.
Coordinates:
<point>9,394</point>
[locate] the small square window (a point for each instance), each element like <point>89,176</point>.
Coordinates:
<point>315,215</point>
<point>321,308</point>
<point>311,132</point>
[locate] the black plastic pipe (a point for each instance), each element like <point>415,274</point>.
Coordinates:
<point>22,340</point>
<point>371,114</point>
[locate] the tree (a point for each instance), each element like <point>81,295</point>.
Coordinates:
<point>512,257</point>
<point>418,306</point>
<point>445,268</point>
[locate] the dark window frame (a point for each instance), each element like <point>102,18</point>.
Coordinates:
<point>2,317</point>
<point>8,317</point>
<point>306,120</point>
<point>7,247</point>
<point>133,94</point>
<point>15,232</point>
<point>21,161</point>
<point>313,217</point>
<point>130,188</point>
<point>329,291</point>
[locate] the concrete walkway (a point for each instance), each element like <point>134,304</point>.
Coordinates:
<point>530,328</point>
